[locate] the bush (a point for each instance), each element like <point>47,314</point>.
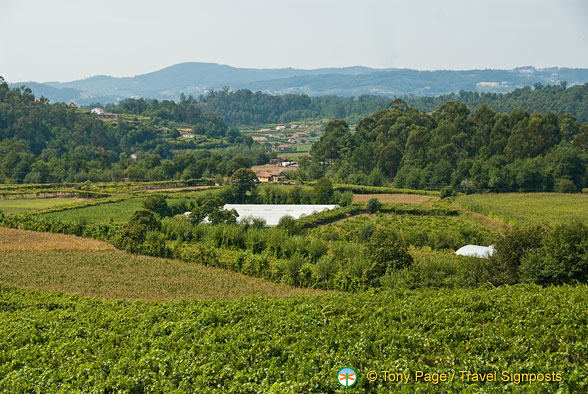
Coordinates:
<point>346,198</point>
<point>387,252</point>
<point>373,205</point>
<point>564,185</point>
<point>157,204</point>
<point>143,217</point>
<point>287,223</point>
<point>446,191</point>
<point>323,191</point>
<point>509,250</point>
<point>562,257</point>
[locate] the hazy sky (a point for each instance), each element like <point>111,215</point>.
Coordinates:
<point>62,40</point>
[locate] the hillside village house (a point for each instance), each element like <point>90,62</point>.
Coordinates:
<point>188,135</point>
<point>284,148</point>
<point>100,112</point>
<point>266,177</point>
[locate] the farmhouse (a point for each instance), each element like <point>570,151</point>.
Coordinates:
<point>188,135</point>
<point>97,111</point>
<point>476,251</point>
<point>266,177</point>
<point>284,148</point>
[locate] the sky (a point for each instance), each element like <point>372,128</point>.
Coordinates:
<point>64,40</point>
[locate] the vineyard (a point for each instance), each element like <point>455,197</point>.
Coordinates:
<point>59,343</point>
<point>238,308</point>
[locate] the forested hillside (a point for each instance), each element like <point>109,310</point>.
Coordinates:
<point>483,150</point>
<point>245,107</point>
<point>42,142</point>
<point>557,98</point>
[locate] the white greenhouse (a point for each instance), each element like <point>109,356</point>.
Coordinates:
<point>272,213</point>
<point>476,251</point>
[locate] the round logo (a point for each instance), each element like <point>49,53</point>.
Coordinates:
<point>346,377</point>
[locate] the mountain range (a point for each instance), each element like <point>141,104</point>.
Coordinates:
<point>197,78</point>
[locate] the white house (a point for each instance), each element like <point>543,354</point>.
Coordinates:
<point>97,111</point>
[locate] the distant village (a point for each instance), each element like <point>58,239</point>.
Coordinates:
<point>279,139</point>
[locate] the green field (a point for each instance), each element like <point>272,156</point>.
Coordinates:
<point>529,208</point>
<point>17,206</point>
<point>117,212</point>
<point>58,343</point>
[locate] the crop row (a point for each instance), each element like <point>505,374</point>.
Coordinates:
<point>56,343</point>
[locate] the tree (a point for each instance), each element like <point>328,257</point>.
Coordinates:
<point>143,217</point>
<point>387,252</point>
<point>373,205</point>
<point>323,191</point>
<point>510,249</point>
<point>287,223</point>
<point>157,204</point>
<point>243,180</point>
<point>561,258</point>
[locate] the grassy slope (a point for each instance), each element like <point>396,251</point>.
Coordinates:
<point>529,208</point>
<point>293,345</point>
<point>91,268</point>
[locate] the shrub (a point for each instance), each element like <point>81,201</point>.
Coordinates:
<point>346,198</point>
<point>387,252</point>
<point>373,205</point>
<point>326,268</point>
<point>564,185</point>
<point>157,204</point>
<point>509,250</point>
<point>143,217</point>
<point>446,191</point>
<point>323,191</point>
<point>287,223</point>
<point>365,231</point>
<point>562,257</point>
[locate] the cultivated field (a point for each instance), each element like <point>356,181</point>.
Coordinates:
<point>12,240</point>
<point>118,212</point>
<point>529,208</point>
<point>58,343</point>
<point>31,204</point>
<point>395,198</point>
<point>91,268</point>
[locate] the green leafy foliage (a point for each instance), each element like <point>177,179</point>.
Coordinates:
<point>59,343</point>
<point>562,257</point>
<point>471,152</point>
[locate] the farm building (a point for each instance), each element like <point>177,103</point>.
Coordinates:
<point>284,148</point>
<point>265,177</point>
<point>272,213</point>
<point>476,251</point>
<point>97,111</point>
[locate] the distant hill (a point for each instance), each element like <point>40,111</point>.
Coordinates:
<point>198,78</point>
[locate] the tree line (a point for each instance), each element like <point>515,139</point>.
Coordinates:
<point>469,152</point>
<point>557,98</point>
